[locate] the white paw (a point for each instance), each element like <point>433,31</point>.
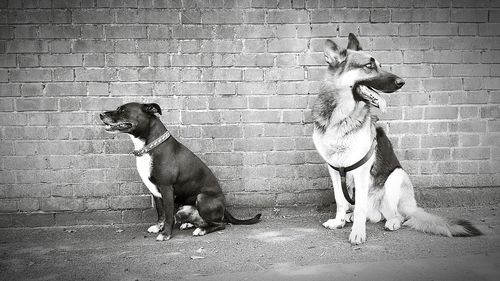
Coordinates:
<point>358,235</point>
<point>155,228</point>
<point>186,225</point>
<point>199,232</point>
<point>349,217</point>
<point>162,237</point>
<point>393,224</point>
<point>334,223</point>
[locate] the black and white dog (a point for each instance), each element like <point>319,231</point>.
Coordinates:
<point>172,173</point>
<point>359,153</point>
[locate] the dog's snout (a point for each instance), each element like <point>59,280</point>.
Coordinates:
<point>399,82</point>
<point>102,116</point>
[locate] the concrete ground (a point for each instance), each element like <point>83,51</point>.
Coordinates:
<point>278,248</point>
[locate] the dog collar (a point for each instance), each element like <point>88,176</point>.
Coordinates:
<point>152,145</point>
<point>343,173</point>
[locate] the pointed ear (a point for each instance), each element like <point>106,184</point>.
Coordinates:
<point>152,108</point>
<point>333,54</point>
<point>353,43</point>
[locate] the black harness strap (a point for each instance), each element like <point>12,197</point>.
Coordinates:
<point>343,173</point>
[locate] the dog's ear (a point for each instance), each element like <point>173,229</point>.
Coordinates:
<point>333,55</point>
<point>353,43</point>
<point>152,108</point>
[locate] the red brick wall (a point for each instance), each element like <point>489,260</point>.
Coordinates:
<point>236,81</point>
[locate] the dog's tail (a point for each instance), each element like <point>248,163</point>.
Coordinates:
<point>234,220</point>
<point>420,220</point>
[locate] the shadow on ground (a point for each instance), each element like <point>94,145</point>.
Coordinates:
<point>289,248</point>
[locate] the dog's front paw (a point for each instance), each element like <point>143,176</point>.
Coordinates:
<point>358,235</point>
<point>162,237</point>
<point>393,224</point>
<point>155,228</point>
<point>334,223</point>
<point>186,225</point>
<point>199,232</point>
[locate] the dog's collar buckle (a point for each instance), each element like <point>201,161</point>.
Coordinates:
<point>152,145</point>
<point>343,173</point>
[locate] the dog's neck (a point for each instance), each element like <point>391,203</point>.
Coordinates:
<point>336,107</point>
<point>155,130</point>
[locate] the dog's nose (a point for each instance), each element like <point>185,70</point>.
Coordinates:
<point>399,82</point>
<point>101,116</point>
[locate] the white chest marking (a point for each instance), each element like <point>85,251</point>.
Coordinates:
<point>144,167</point>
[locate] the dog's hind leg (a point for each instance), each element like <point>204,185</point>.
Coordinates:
<point>391,200</point>
<point>187,216</point>
<point>342,204</point>
<point>211,211</point>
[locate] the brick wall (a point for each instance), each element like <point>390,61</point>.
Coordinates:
<point>236,81</point>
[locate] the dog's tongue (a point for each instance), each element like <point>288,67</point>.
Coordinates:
<point>373,97</point>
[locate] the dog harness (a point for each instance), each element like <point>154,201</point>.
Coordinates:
<point>152,145</point>
<point>343,173</point>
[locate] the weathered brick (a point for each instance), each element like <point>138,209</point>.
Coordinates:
<point>350,15</point>
<point>65,89</point>
<point>158,16</point>
<point>286,45</point>
<point>222,17</point>
<point>7,60</point>
<point>191,32</point>
<point>439,29</point>
<point>61,204</point>
<point>287,16</point>
<point>30,75</point>
<point>220,74</point>
<point>131,89</point>
<point>59,31</point>
<point>10,90</point>
<point>96,74</point>
<point>441,113</point>
<point>255,31</point>
<point>222,46</point>
<point>61,60</point>
<point>125,31</point>
<point>377,29</point>
<point>127,60</point>
<point>92,31</point>
<point>159,74</point>
<point>92,16</point>
<point>471,153</point>
<point>37,104</point>
<point>204,117</point>
<point>156,46</point>
<point>88,218</point>
<point>33,220</point>
<point>92,46</point>
<point>227,102</point>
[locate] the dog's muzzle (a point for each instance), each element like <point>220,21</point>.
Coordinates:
<point>111,125</point>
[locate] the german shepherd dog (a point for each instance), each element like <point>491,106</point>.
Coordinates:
<point>345,132</point>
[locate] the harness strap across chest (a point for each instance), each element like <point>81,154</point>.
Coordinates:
<point>343,172</point>
<point>152,145</point>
